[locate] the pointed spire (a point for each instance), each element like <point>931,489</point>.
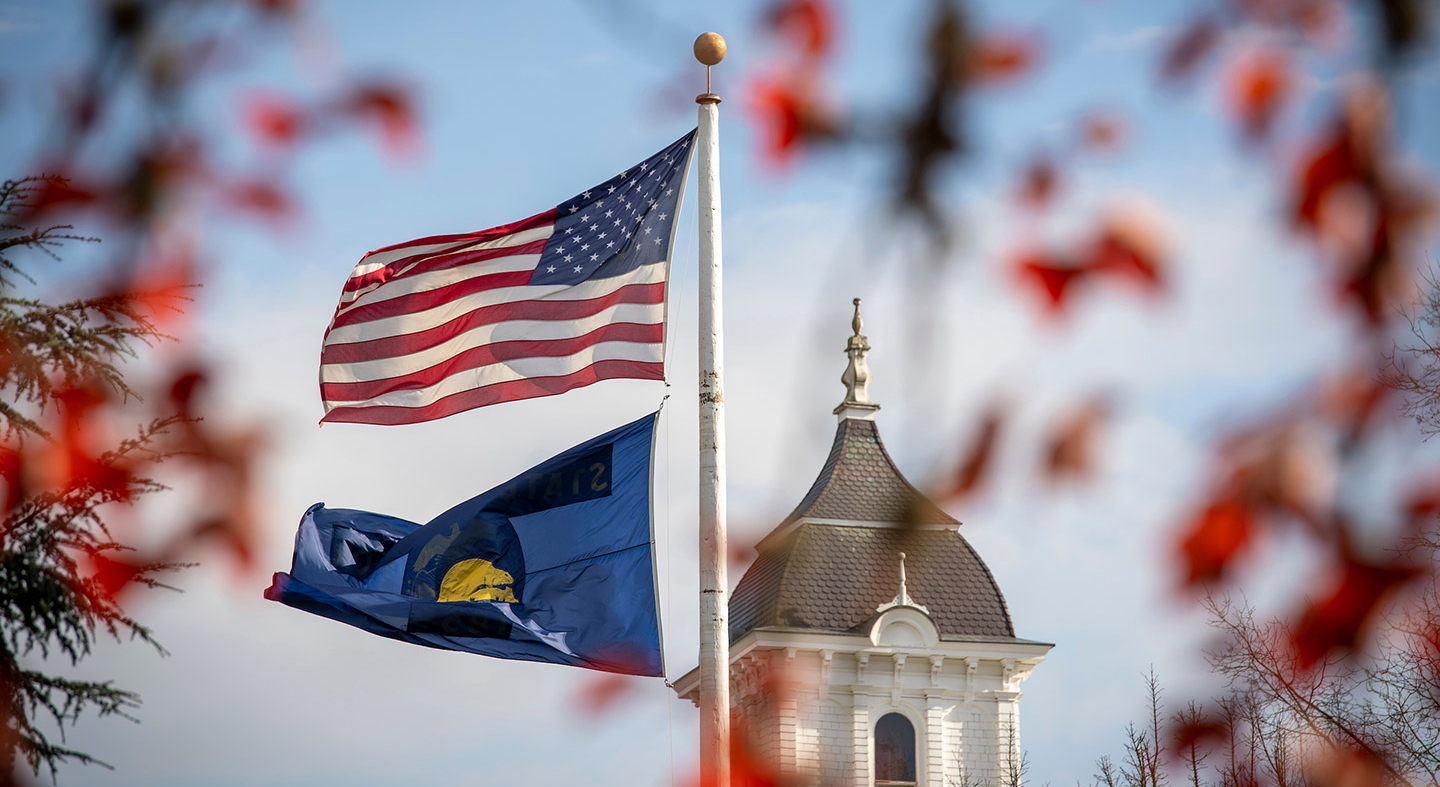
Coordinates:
<point>902,596</point>
<point>856,378</point>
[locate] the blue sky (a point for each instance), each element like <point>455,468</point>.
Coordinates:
<point>523,106</point>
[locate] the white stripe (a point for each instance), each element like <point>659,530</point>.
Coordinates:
<point>414,322</point>
<point>380,292</point>
<point>521,369</point>
<point>496,264</point>
<point>379,259</point>
<point>527,330</point>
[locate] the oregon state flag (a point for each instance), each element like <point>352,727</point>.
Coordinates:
<point>557,564</point>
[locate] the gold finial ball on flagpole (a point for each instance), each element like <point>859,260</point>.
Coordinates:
<point>710,48</point>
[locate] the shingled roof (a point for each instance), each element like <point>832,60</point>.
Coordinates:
<point>860,482</point>
<point>830,575</point>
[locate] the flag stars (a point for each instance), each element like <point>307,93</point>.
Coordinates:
<point>585,194</point>
<point>609,213</point>
<point>568,258</point>
<point>578,269</point>
<point>594,257</point>
<point>610,244</point>
<point>584,246</point>
<point>551,268</point>
<point>611,190</point>
<point>574,208</point>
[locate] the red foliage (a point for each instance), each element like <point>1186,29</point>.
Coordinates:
<point>12,473</point>
<point>1257,87</point>
<point>1071,450</point>
<point>262,198</point>
<point>1038,184</point>
<point>1001,58</point>
<point>274,120</point>
<point>57,194</point>
<point>1102,132</point>
<point>603,692</point>
<point>387,105</point>
<point>1189,48</point>
<point>1124,255</point>
<point>978,457</point>
<point>1051,278</point>
<point>1340,619</point>
<point>808,25</point>
<point>1214,539</point>
<point>1197,733</point>
<point>111,576</point>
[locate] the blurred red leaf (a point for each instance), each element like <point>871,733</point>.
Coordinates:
<point>184,387</point>
<point>1039,183</point>
<point>789,116</point>
<point>808,24</point>
<point>1189,48</point>
<point>112,576</point>
<point>1257,85</point>
<point>1214,539</point>
<point>1340,619</point>
<point>274,120</point>
<point>262,198</point>
<point>1197,733</point>
<point>55,194</point>
<point>602,692</point>
<point>1344,766</point>
<point>1118,255</point>
<point>390,107</point>
<point>978,456</point>
<point>1071,450</point>
<point>1052,278</point>
<point>1102,132</point>
<point>12,472</point>
<point>778,112</point>
<point>1001,57</point>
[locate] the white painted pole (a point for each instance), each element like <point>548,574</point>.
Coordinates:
<point>714,631</point>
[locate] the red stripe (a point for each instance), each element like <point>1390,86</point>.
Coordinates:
<point>442,260</point>
<point>538,220</point>
<point>407,344</point>
<point>429,299</point>
<point>485,355</point>
<point>500,392</point>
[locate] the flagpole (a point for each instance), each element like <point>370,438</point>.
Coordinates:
<point>714,633</point>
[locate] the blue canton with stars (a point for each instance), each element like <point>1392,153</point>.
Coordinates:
<point>619,225</point>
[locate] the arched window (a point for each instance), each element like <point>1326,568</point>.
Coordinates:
<point>894,751</point>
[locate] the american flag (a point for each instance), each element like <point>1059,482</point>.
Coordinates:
<point>560,300</point>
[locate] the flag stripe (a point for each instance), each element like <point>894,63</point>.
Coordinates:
<point>474,358</point>
<point>511,371</point>
<point>502,392</point>
<point>528,242</point>
<point>372,341</point>
<point>387,254</point>
<point>380,365</point>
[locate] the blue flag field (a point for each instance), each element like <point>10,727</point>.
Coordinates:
<point>556,564</point>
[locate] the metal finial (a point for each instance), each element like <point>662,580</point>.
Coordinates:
<point>856,378</point>
<point>709,50</point>
<point>902,596</point>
